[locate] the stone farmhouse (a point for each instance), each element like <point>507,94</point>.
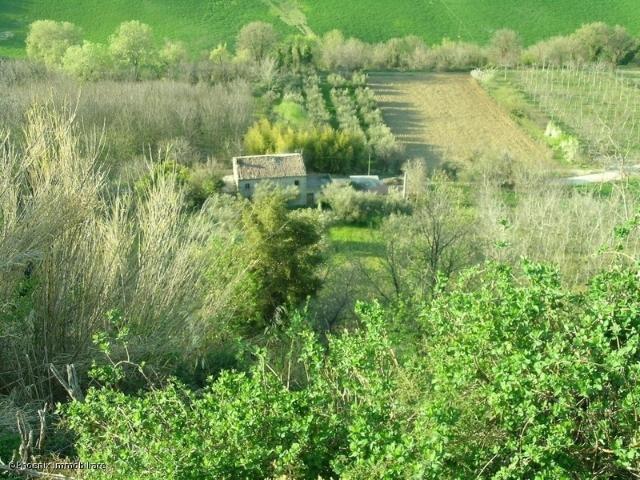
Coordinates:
<point>288,170</point>
<point>285,170</point>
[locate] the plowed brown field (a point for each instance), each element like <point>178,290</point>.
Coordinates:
<point>449,117</point>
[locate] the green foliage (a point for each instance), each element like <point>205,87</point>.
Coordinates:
<point>566,146</point>
<point>48,40</point>
<point>355,207</point>
<point>9,443</point>
<point>132,47</point>
<point>197,188</point>
<point>537,372</point>
<point>257,424</point>
<point>291,113</point>
<point>284,250</point>
<point>324,149</point>
<point>91,61</point>
<point>513,379</point>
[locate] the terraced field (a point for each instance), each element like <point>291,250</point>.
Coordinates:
<point>448,117</point>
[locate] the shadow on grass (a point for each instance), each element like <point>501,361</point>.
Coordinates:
<point>352,242</point>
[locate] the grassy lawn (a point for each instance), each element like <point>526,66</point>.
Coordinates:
<point>205,23</point>
<point>360,244</point>
<point>355,266</point>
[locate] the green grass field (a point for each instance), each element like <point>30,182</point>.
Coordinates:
<point>204,23</point>
<point>351,241</point>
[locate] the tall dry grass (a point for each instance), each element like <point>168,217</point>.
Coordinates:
<point>72,250</point>
<point>137,117</point>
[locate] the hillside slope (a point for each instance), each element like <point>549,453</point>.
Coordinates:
<point>204,23</point>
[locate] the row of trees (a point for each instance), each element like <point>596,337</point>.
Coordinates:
<point>132,51</point>
<point>592,43</point>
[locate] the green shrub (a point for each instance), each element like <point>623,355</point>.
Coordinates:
<point>284,251</point>
<point>565,145</point>
<point>336,413</point>
<point>499,377</point>
<point>324,149</point>
<point>198,184</point>
<point>351,206</point>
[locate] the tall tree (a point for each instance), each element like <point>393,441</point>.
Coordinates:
<point>258,39</point>
<point>133,48</point>
<point>284,249</point>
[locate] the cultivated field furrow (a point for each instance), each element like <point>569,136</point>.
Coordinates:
<point>449,118</point>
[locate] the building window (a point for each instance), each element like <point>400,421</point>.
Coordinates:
<point>296,182</point>
<point>247,186</point>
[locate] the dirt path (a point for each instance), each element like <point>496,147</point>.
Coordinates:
<point>448,117</point>
<point>290,13</point>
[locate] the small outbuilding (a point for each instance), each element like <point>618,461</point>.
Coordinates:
<point>369,183</point>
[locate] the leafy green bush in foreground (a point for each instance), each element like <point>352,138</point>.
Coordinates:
<point>496,378</point>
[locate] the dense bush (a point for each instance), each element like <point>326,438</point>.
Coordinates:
<point>501,379</point>
<point>284,252</point>
<point>592,43</point>
<point>351,206</point>
<point>324,149</point>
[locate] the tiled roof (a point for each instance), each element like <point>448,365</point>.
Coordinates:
<point>268,166</point>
